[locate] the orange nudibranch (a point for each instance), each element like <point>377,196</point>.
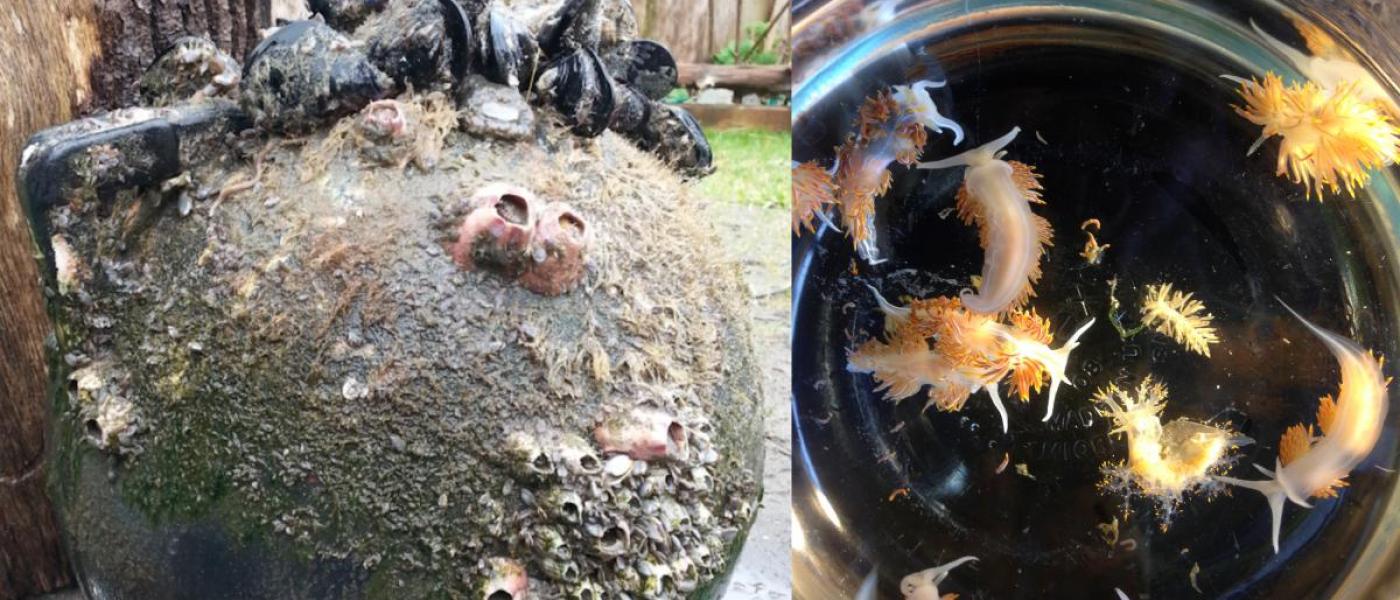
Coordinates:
<point>1331,136</point>
<point>971,352</point>
<point>1350,426</point>
<point>813,189</point>
<point>996,195</point>
<point>891,128</point>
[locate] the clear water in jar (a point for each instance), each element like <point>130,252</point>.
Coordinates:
<point>1123,112</point>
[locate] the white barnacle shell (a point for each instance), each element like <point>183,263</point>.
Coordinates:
<point>578,456</point>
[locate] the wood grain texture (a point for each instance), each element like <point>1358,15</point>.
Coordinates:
<point>694,32</point>
<point>61,59</point>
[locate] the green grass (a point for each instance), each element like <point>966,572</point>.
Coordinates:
<point>754,167</point>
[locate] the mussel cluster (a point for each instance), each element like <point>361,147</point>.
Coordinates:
<point>577,60</point>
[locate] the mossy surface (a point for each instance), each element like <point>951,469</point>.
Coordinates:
<point>326,395</point>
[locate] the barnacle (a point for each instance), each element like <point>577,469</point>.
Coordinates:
<point>1331,136</point>
<point>1164,461</point>
<point>1180,317</point>
<point>812,191</point>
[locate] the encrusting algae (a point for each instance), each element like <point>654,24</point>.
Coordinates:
<point>970,352</point>
<point>1331,136</point>
<point>1179,316</point>
<point>1165,462</point>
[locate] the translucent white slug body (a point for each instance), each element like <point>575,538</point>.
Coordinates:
<point>923,585</point>
<point>1331,72</point>
<point>1012,244</point>
<point>1356,426</point>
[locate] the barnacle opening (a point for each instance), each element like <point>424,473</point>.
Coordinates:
<point>513,208</point>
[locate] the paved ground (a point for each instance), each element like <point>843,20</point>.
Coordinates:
<point>759,240</point>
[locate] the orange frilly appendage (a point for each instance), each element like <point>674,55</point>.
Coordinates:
<point>813,190</point>
<point>970,352</point>
<point>906,364</point>
<point>1331,137</point>
<point>860,179</point>
<point>1027,181</point>
<point>890,127</point>
<point>1298,439</point>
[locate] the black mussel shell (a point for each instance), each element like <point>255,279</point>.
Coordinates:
<point>459,30</point>
<point>285,35</point>
<point>411,42</point>
<point>632,111</point>
<point>305,75</point>
<point>674,135</point>
<point>346,15</point>
<point>509,52</point>
<point>577,26</point>
<point>646,66</point>
<point>582,92</point>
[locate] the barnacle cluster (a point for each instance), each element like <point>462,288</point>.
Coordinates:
<point>626,512</point>
<point>890,127</point>
<point>1165,461</point>
<point>403,364</point>
<point>1179,316</point>
<point>969,352</point>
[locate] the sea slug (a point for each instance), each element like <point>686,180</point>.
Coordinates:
<point>970,352</point>
<point>1331,136</point>
<point>891,127</point>
<point>1351,425</point>
<point>1165,462</point>
<point>923,585</point>
<point>996,195</point>
<point>1179,316</point>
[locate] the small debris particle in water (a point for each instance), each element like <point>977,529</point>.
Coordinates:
<point>442,500</point>
<point>397,443</point>
<point>943,214</point>
<point>354,389</point>
<point>1195,570</point>
<point>899,493</point>
<point>889,457</point>
<point>1109,531</point>
<point>1024,471</point>
<point>1128,544</point>
<point>898,428</point>
<point>1005,458</point>
<point>1041,138</point>
<point>1121,595</point>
